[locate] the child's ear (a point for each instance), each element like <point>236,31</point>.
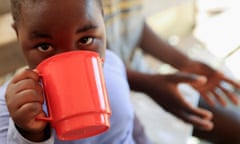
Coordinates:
<point>14,26</point>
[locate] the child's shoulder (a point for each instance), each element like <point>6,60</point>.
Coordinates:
<point>112,58</point>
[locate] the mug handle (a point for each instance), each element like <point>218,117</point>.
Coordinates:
<point>49,110</point>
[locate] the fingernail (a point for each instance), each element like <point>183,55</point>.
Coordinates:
<point>35,70</point>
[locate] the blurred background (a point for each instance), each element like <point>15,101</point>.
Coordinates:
<point>205,30</point>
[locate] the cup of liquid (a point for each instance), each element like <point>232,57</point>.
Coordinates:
<point>75,93</point>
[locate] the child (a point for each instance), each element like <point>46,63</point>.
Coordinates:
<point>45,28</point>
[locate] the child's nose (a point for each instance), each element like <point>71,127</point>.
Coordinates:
<point>67,48</point>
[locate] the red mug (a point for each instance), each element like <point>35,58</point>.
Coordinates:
<point>76,95</point>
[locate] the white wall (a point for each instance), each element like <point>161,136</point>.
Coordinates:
<point>171,17</point>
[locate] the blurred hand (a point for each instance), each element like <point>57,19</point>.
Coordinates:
<point>213,88</point>
<point>164,90</point>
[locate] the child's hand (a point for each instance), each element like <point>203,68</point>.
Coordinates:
<point>24,100</point>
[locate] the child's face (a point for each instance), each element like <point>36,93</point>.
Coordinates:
<point>49,27</point>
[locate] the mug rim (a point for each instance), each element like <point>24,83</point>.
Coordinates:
<point>83,52</point>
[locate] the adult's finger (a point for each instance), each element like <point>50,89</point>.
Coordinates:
<point>199,122</point>
<point>230,95</point>
<point>186,78</point>
<point>207,97</point>
<point>219,98</point>
<point>198,117</point>
<point>232,82</point>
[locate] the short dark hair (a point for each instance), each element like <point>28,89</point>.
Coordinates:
<point>16,7</point>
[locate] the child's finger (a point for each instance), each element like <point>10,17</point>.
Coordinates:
<point>25,117</point>
<point>25,74</point>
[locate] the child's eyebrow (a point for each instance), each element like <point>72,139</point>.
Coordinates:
<point>86,28</point>
<point>36,35</point>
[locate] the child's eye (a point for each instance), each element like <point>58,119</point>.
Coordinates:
<point>86,41</point>
<point>44,47</point>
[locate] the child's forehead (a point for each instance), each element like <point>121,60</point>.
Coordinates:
<point>79,2</point>
<point>61,6</point>
<point>18,6</point>
<point>54,17</point>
